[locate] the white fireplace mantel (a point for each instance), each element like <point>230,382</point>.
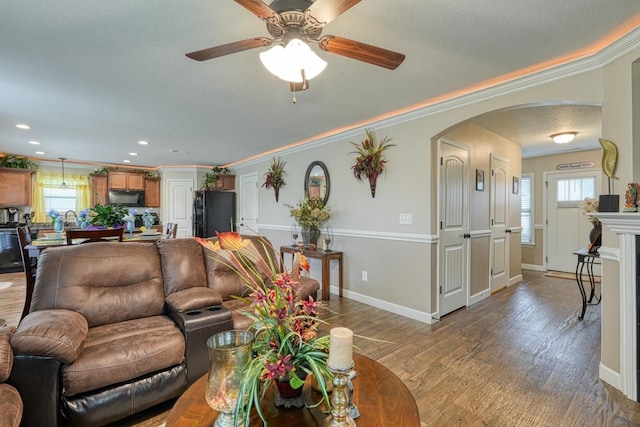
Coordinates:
<point>627,227</point>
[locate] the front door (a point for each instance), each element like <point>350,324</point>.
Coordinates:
<point>499,213</point>
<point>248,204</point>
<point>454,225</point>
<point>567,228</point>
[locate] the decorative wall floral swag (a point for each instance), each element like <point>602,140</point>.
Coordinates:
<point>274,177</point>
<point>370,161</point>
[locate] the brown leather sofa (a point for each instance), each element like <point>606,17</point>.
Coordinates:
<point>10,401</point>
<point>114,329</point>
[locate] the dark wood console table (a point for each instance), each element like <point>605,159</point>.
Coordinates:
<point>586,259</point>
<point>326,258</point>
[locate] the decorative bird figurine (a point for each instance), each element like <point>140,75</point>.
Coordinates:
<point>609,157</point>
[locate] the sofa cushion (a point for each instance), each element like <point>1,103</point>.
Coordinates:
<point>56,333</point>
<point>6,354</point>
<point>123,351</point>
<point>194,298</point>
<point>10,406</point>
<point>182,264</point>
<point>221,277</point>
<point>126,279</point>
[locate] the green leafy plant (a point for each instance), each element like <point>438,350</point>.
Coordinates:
<point>370,162</point>
<point>209,180</point>
<point>274,177</point>
<point>102,171</point>
<point>107,215</point>
<point>17,162</point>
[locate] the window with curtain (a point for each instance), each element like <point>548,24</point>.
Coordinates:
<point>48,195</point>
<point>527,236</point>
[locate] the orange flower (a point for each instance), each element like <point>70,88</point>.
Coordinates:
<point>214,246</point>
<point>304,263</point>
<point>231,241</point>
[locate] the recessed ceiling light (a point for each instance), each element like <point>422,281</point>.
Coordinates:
<point>143,142</point>
<point>126,161</point>
<point>34,143</point>
<point>40,152</point>
<point>23,126</point>
<point>133,154</point>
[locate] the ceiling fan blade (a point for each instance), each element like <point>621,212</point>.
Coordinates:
<point>259,9</point>
<point>325,11</point>
<point>361,51</point>
<point>226,49</point>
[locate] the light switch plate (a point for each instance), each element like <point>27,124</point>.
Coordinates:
<point>406,218</point>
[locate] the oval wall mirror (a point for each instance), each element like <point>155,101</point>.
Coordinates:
<point>316,181</point>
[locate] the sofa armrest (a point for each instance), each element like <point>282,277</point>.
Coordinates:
<point>197,326</point>
<point>193,299</point>
<point>6,353</point>
<point>56,333</point>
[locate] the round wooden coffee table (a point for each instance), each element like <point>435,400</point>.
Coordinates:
<point>381,398</point>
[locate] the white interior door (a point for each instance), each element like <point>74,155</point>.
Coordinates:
<point>499,207</point>
<point>181,205</point>
<point>248,204</point>
<point>454,225</point>
<point>567,228</point>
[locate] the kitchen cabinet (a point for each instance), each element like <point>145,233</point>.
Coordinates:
<point>126,180</point>
<point>152,193</point>
<point>15,187</point>
<point>98,189</point>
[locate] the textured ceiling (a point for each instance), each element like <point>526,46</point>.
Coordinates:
<point>94,77</point>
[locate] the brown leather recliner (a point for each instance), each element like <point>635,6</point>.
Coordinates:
<point>10,401</point>
<point>97,344</point>
<point>115,328</point>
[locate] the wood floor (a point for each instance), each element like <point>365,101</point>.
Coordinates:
<point>518,358</point>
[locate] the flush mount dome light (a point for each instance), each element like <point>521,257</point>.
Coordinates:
<point>563,137</point>
<point>288,63</point>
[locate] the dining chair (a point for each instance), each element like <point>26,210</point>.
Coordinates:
<point>95,235</point>
<point>30,265</point>
<point>172,229</point>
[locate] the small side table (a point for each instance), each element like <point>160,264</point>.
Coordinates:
<point>326,258</point>
<point>587,259</point>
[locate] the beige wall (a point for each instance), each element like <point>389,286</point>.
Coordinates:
<point>402,257</point>
<point>533,255</point>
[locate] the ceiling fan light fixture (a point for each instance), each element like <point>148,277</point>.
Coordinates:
<point>563,137</point>
<point>287,62</point>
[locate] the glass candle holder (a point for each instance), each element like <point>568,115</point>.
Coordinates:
<point>229,353</point>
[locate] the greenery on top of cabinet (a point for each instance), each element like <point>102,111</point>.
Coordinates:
<point>17,162</point>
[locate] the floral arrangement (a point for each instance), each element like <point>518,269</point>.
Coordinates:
<point>274,177</point>
<point>209,180</point>
<point>82,220</point>
<point>287,345</point>
<point>310,212</point>
<point>370,161</point>
<point>54,215</point>
<point>591,205</point>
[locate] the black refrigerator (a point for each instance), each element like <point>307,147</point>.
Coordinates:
<point>213,211</point>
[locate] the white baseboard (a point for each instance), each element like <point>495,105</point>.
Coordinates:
<point>533,267</point>
<point>609,376</point>
<point>387,306</point>
<point>479,296</point>
<point>515,279</point>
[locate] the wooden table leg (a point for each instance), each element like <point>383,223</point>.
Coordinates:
<point>340,277</point>
<point>326,285</point>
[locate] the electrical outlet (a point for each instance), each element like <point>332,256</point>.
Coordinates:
<point>406,218</point>
<point>364,276</point>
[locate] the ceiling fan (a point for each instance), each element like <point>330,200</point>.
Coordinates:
<point>289,20</point>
